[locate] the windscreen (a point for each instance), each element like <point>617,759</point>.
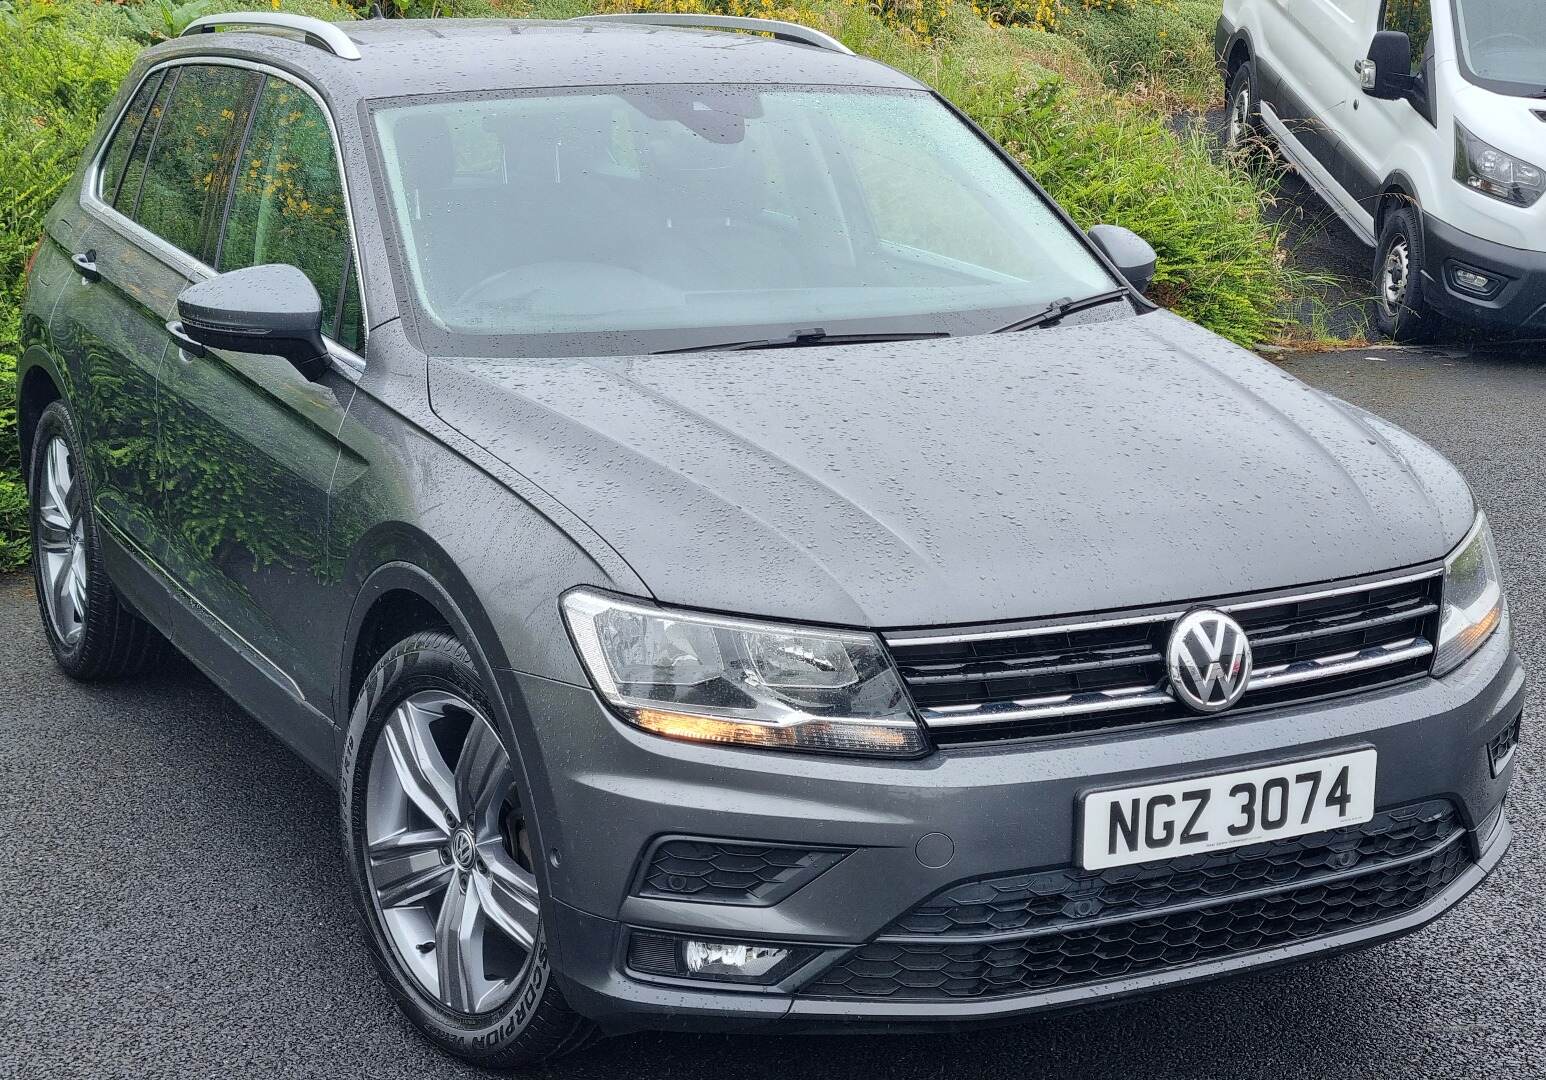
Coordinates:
<point>659,217</point>
<point>1503,44</point>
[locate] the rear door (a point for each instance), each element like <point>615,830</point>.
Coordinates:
<point>109,321</point>
<point>248,446</point>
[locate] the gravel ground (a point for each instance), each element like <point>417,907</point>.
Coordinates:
<point>172,903</point>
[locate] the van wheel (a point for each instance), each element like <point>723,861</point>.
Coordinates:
<point>1402,311</point>
<point>1242,122</point>
<point>444,858</point>
<point>92,633</point>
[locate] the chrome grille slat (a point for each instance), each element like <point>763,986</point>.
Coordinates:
<point>1109,671</point>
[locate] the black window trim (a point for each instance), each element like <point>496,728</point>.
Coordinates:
<point>349,362</point>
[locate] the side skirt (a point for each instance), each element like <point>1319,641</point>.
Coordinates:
<point>1316,175</point>
<point>247,679</point>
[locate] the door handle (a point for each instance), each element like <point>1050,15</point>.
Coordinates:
<point>185,344</point>
<point>86,265</point>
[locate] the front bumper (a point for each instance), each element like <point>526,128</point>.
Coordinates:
<point>1514,302</point>
<point>916,828</point>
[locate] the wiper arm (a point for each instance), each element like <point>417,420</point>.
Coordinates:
<point>804,338</point>
<point>1058,310</point>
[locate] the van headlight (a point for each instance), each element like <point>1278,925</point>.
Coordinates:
<point>1483,167</point>
<point>1473,599</point>
<point>708,678</point>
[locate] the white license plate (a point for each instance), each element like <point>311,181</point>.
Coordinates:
<point>1228,810</point>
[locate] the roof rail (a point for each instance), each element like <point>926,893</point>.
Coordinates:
<point>316,32</point>
<point>783,31</point>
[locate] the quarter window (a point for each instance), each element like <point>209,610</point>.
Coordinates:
<point>192,151</point>
<point>123,140</point>
<point>138,148</point>
<point>287,203</point>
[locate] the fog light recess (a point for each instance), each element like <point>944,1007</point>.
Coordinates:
<point>716,960</point>
<point>1500,750</point>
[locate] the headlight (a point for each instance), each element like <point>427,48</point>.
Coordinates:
<point>1473,598</point>
<point>1485,168</point>
<point>719,680</point>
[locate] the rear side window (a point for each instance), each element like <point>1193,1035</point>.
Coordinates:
<point>287,203</point>
<point>123,139</point>
<point>188,168</point>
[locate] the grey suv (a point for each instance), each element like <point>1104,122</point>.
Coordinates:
<point>742,554</point>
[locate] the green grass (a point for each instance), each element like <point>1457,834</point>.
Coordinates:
<point>1084,106</point>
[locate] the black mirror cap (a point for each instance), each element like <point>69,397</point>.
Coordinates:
<point>1130,252</point>
<point>1391,54</point>
<point>272,309</point>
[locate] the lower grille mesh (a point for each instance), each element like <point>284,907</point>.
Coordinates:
<point>1111,925</point>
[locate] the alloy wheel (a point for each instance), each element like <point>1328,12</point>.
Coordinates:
<point>448,853</point>
<point>62,543</point>
<point>1395,276</point>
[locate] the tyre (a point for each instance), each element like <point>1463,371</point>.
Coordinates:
<point>1401,310</point>
<point>440,846</point>
<point>92,633</point>
<point>1242,117</point>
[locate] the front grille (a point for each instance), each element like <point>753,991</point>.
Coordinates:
<point>731,872</point>
<point>1039,932</point>
<point>1109,672</point>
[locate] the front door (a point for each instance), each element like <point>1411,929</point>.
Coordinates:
<point>248,446</point>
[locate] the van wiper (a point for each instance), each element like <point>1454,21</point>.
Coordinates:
<point>1056,311</point>
<point>803,338</point>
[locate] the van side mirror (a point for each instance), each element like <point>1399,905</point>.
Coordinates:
<point>273,310</point>
<point>1387,73</point>
<point>1130,253</point>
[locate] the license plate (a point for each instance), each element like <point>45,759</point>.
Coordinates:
<point>1228,810</point>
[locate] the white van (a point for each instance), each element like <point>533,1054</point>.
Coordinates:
<point>1423,124</point>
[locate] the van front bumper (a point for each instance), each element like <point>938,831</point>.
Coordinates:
<point>1515,297</point>
<point>911,834</point>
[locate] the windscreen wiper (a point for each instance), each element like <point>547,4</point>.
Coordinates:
<point>804,338</point>
<point>1056,311</point>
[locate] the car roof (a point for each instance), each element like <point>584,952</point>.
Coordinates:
<point>410,57</point>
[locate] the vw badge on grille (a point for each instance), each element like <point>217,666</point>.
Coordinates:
<point>1209,660</point>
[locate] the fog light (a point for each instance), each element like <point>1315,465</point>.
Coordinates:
<point>1473,281</point>
<point>726,958</point>
<point>720,961</point>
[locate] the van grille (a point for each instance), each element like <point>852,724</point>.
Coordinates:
<point>1109,671</point>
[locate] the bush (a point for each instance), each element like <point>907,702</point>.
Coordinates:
<point>59,74</point>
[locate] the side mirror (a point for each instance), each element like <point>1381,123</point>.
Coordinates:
<point>1130,252</point>
<point>273,310</point>
<point>1387,73</point>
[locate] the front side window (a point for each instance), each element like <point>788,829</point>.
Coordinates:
<point>190,155</point>
<point>287,201</point>
<point>1503,45</point>
<point>657,217</point>
<point>1414,18</point>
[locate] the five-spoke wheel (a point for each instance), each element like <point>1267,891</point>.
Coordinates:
<point>449,854</point>
<point>62,542</point>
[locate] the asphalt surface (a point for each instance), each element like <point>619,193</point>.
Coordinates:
<point>172,901</point>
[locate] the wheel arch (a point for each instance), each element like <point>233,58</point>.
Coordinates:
<point>38,386</point>
<point>1398,190</point>
<point>419,587</point>
<point>1239,51</point>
